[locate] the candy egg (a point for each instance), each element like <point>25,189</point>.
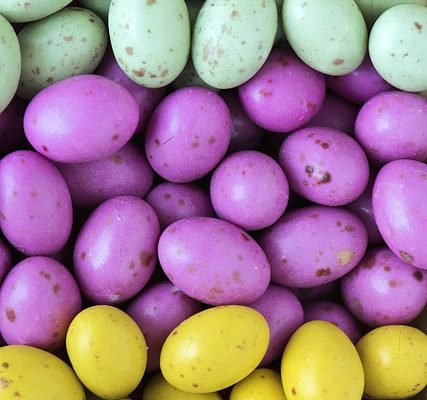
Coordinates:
<point>321,363</point>
<point>82,118</point>
<point>398,47</point>
<point>330,37</point>
<point>67,43</point>
<point>194,354</point>
<point>232,40</point>
<point>28,372</point>
<point>213,261</point>
<point>148,52</point>
<point>10,70</point>
<point>394,359</point>
<point>399,191</point>
<point>107,351</point>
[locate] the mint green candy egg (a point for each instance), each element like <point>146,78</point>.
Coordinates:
<point>398,47</point>
<point>30,10</point>
<point>328,35</point>
<point>372,9</point>
<point>150,39</point>
<point>67,43</point>
<point>232,40</point>
<point>10,63</point>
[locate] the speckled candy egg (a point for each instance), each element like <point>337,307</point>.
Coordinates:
<point>11,69</point>
<point>35,204</point>
<point>324,165</point>
<point>321,363</point>
<point>157,311</point>
<point>249,189</point>
<point>284,94</point>
<point>175,201</point>
<point>213,261</point>
<point>384,290</point>
<point>82,118</point>
<point>28,372</point>
<point>261,384</point>
<point>359,85</point>
<point>195,354</point>
<point>31,10</point>
<point>394,359</point>
<point>125,172</point>
<point>313,245</point>
<point>398,196</point>
<point>335,313</point>
<point>188,134</point>
<point>232,40</point>
<point>67,43</point>
<point>107,350</point>
<point>335,113</point>
<point>393,125</point>
<point>284,314</point>
<point>148,53</point>
<point>398,47</point>
<point>330,37</point>
<point>115,252</point>
<point>146,98</point>
<point>38,300</point>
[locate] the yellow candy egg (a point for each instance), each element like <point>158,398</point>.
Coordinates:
<point>30,373</point>
<point>107,351</point>
<point>261,384</point>
<point>157,388</point>
<point>214,349</point>
<point>395,361</point>
<point>321,363</point>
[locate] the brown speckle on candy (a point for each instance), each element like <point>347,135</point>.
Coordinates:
<point>309,170</point>
<point>44,148</point>
<point>10,314</point>
<point>181,202</point>
<point>45,274</point>
<point>293,391</point>
<point>68,38</point>
<point>129,50</point>
<point>145,258</point>
<point>358,306</point>
<point>369,262</point>
<point>418,26</point>
<point>211,140</point>
<point>132,265</point>
<point>338,61</point>
<point>326,178</point>
<point>5,365</point>
<point>392,283</point>
<point>406,257</point>
<point>82,255</point>
<point>116,159</point>
<point>234,13</point>
<point>4,383</point>
<point>236,277</point>
<point>151,2</point>
<point>323,272</point>
<point>167,196</point>
<point>139,72</point>
<point>418,276</point>
<point>115,137</point>
<point>56,288</point>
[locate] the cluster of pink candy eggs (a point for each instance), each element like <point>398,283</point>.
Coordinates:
<point>298,194</point>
